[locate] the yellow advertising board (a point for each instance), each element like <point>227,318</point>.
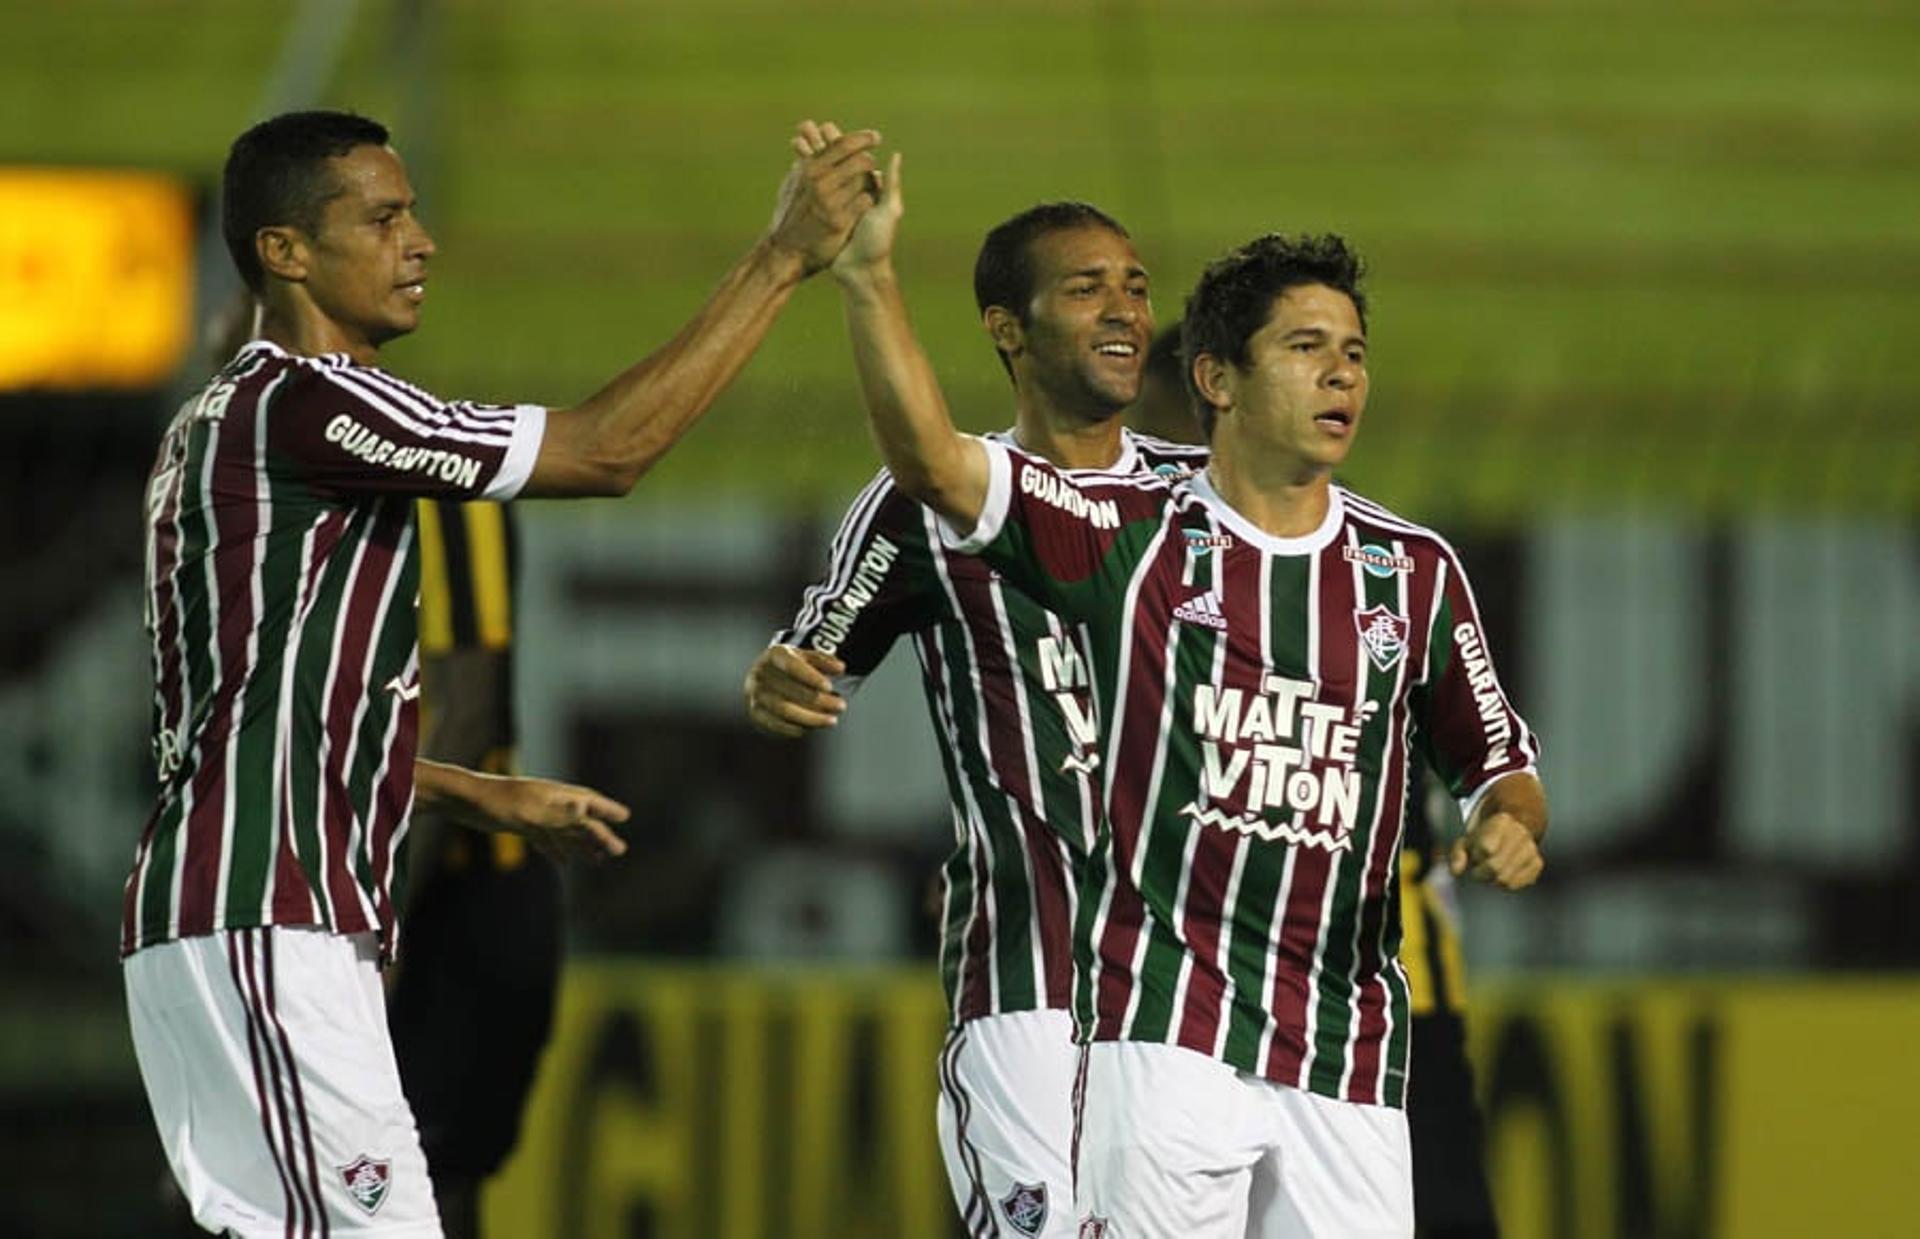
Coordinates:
<point>96,278</point>
<point>745,1104</point>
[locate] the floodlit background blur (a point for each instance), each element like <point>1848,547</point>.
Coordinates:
<point>1644,315</point>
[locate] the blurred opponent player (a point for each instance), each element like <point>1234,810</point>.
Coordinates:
<point>1269,653</point>
<point>281,572</point>
<point>1451,1196</point>
<point>1063,298</point>
<point>471,1001</point>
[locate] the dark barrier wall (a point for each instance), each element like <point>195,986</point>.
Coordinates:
<point>756,1104</point>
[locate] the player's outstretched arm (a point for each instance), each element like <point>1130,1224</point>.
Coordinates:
<point>560,819</point>
<point>1501,844</point>
<point>789,691</point>
<point>906,411</point>
<point>602,446</point>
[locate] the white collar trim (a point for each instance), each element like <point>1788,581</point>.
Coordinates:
<point>1247,531</point>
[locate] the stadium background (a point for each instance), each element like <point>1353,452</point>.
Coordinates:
<point>1643,312</point>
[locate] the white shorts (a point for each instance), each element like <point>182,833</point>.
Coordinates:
<point>1006,1123</point>
<point>272,1080</point>
<point>1173,1142</point>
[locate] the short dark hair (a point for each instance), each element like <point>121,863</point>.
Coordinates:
<point>277,173</point>
<point>1235,297</point>
<point>1003,273</point>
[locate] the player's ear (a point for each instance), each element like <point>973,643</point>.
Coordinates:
<point>1004,329</point>
<point>1214,379</point>
<point>282,252</point>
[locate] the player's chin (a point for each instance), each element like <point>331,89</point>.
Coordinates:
<point>1332,454</point>
<point>1114,395</point>
<point>399,323</point>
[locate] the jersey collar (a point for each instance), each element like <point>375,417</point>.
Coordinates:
<point>1201,484</point>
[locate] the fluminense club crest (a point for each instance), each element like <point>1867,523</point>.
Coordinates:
<point>1026,1207</point>
<point>1383,633</point>
<point>367,1180</point>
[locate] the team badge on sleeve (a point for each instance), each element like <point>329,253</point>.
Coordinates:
<point>367,1181</point>
<point>1384,634</point>
<point>1026,1207</point>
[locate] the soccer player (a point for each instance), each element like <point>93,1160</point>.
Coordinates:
<point>1063,298</point>
<point>281,574</point>
<point>1451,1196</point>
<point>471,1002</point>
<point>1270,652</point>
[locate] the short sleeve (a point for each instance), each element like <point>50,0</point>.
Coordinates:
<point>1065,541</point>
<point>353,430</point>
<point>878,584</point>
<point>1472,733</point>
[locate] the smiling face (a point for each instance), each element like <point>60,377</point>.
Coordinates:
<point>1084,340</point>
<point>363,268</point>
<point>1303,391</point>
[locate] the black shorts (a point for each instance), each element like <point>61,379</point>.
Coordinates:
<point>1451,1199</point>
<point>472,1006</point>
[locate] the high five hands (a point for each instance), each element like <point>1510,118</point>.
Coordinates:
<point>829,188</point>
<point>871,242</point>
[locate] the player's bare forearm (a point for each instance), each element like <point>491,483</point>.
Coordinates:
<point>1501,844</point>
<point>605,444</point>
<point>558,818</point>
<point>929,460</point>
<point>906,410</point>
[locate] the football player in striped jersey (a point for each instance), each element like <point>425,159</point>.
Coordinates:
<point>1270,652</point>
<point>1063,298</point>
<point>282,569</point>
<point>1451,1196</point>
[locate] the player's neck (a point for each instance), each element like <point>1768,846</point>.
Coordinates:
<point>306,333</point>
<point>1287,499</point>
<point>1067,440</point>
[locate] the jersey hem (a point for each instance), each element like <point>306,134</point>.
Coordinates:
<point>1254,1073</point>
<point>516,470</point>
<point>141,943</point>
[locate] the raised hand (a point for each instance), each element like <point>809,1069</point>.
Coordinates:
<point>827,190</point>
<point>871,244</point>
<point>789,692</point>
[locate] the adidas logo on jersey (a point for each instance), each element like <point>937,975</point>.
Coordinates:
<point>1202,609</point>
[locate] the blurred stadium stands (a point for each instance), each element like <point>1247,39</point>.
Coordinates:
<point>1643,315</point>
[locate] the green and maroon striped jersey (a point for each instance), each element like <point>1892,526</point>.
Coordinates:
<point>280,590</point>
<point>1260,701</point>
<point>1007,687</point>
